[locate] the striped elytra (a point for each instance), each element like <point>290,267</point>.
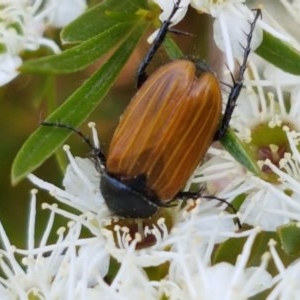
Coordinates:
<point>167,128</point>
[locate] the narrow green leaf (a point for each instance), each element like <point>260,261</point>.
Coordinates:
<point>280,54</point>
<point>289,235</point>
<point>100,18</point>
<point>239,151</point>
<point>79,57</point>
<point>44,141</point>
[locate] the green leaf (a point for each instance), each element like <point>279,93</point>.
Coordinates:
<point>289,235</point>
<point>80,56</point>
<point>239,151</point>
<point>101,17</point>
<point>279,53</point>
<point>44,141</point>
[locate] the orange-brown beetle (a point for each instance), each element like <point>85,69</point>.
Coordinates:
<point>159,134</point>
<point>162,136</point>
<point>164,133</point>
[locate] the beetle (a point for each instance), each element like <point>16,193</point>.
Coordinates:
<point>164,132</point>
<point>158,142</point>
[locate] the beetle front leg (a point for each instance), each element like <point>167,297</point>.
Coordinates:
<point>237,84</point>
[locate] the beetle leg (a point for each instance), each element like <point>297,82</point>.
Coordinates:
<point>189,195</point>
<point>195,195</point>
<point>238,83</point>
<point>141,73</point>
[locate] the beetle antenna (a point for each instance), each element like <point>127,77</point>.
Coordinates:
<point>96,151</point>
<point>141,73</point>
<point>238,83</point>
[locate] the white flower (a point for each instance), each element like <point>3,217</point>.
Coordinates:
<point>224,176</point>
<point>187,251</point>
<point>263,100</point>
<point>83,181</point>
<point>231,26</point>
<point>286,282</point>
<point>192,226</point>
<point>72,266</point>
<point>167,7</point>
<point>131,280</point>
<point>22,25</point>
<point>64,12</point>
<point>9,65</point>
<point>192,276</point>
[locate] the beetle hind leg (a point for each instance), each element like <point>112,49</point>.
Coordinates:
<point>237,83</point>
